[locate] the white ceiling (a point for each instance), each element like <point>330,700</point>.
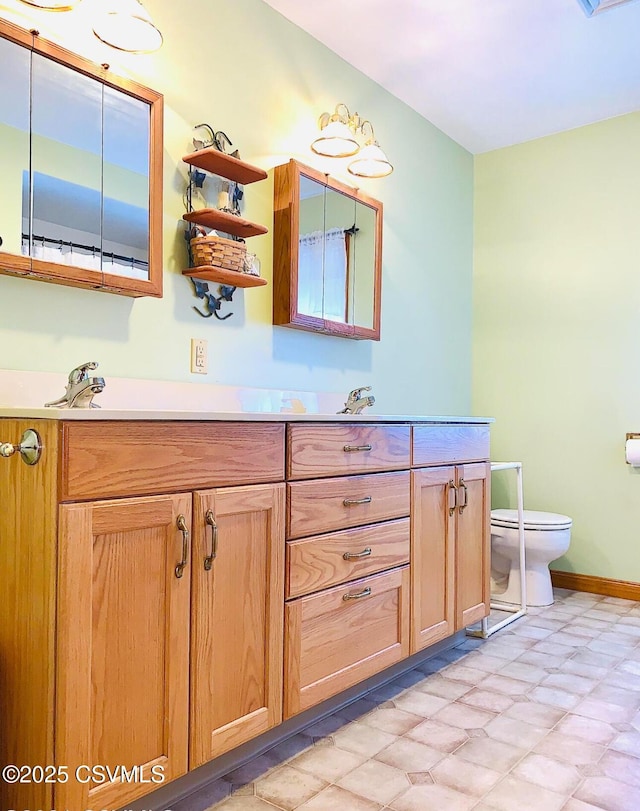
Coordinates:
<point>489,73</point>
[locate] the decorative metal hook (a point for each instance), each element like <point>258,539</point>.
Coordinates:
<point>213,303</point>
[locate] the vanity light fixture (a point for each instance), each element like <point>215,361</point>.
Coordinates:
<point>127,26</point>
<point>337,139</point>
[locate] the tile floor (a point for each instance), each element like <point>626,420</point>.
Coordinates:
<point>543,716</point>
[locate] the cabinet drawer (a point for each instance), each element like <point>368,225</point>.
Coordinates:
<point>103,459</point>
<point>351,501</point>
<point>343,635</point>
<point>319,562</point>
<point>441,444</point>
<point>337,449</point>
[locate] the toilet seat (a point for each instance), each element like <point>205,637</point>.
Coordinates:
<point>533,520</point>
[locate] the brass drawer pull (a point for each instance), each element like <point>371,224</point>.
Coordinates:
<point>463,486</point>
<point>355,555</point>
<point>452,489</point>
<point>352,448</point>
<point>182,526</point>
<point>364,593</point>
<point>349,502</point>
<point>211,521</point>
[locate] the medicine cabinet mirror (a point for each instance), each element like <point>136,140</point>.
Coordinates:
<point>81,168</point>
<point>327,255</point>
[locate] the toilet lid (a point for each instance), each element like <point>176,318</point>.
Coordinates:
<point>532,519</point>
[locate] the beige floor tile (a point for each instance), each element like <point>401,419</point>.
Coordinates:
<point>327,762</point>
<point>589,657</point>
<point>603,711</point>
<point>288,788</point>
<point>439,736</point>
<point>410,755</point>
<point>514,794</point>
<point>543,660</point>
<point>463,717</point>
<point>485,661</point>
<point>464,776</point>
<point>567,639</point>
<point>487,700</point>
<point>609,794</point>
<point>616,695</point>
<point>622,767</point>
<point>575,751</point>
<point>533,631</point>
<point>577,805</point>
<point>524,672</point>
<point>518,733</point>
<point>628,742</point>
<point>610,648</point>
<point>505,685</point>
<point>588,671</point>
<point>334,798</point>
<point>604,616</point>
<point>419,703</point>
<point>395,721</point>
<point>438,798</point>
<point>465,674</point>
<point>548,773</point>
<point>436,685</point>
<point>570,683</point>
<point>491,753</point>
<point>554,697</point>
<point>539,715</point>
<point>362,739</point>
<point>587,729</point>
<point>503,650</point>
<point>376,781</point>
<point>554,648</point>
<point>630,630</point>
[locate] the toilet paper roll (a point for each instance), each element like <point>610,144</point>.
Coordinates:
<point>632,452</point>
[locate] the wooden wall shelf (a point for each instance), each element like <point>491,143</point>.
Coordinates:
<point>219,163</point>
<point>210,273</point>
<point>228,223</point>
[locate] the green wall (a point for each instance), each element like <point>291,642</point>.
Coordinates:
<point>557,330</point>
<point>243,68</point>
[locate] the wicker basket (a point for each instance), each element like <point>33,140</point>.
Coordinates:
<point>219,252</point>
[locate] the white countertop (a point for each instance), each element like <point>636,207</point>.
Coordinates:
<point>22,395</point>
<point>94,414</point>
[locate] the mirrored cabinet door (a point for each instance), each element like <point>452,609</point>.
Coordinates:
<point>83,170</point>
<point>327,255</point>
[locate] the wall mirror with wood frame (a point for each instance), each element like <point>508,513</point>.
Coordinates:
<point>81,168</point>
<point>327,255</point>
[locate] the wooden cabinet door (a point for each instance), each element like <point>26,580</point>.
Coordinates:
<point>123,648</point>
<point>237,617</point>
<point>432,555</point>
<point>473,544</point>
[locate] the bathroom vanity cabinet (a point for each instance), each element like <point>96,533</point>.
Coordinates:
<point>175,589</point>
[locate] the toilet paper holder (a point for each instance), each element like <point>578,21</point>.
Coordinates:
<point>628,437</point>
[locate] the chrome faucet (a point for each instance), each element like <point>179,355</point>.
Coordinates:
<point>356,402</point>
<point>81,388</point>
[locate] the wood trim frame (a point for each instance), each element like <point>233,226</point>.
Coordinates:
<point>285,254</point>
<point>624,589</point>
<point>58,273</point>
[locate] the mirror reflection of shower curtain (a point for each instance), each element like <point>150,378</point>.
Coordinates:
<point>322,274</point>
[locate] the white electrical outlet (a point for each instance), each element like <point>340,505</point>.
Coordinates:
<point>199,360</point>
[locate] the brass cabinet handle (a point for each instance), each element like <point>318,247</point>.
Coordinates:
<point>364,593</point>
<point>466,496</point>
<point>182,526</point>
<point>353,448</point>
<point>452,489</point>
<point>29,447</point>
<point>355,555</point>
<point>211,521</point>
<point>349,502</point>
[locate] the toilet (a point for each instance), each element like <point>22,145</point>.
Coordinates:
<point>546,537</point>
